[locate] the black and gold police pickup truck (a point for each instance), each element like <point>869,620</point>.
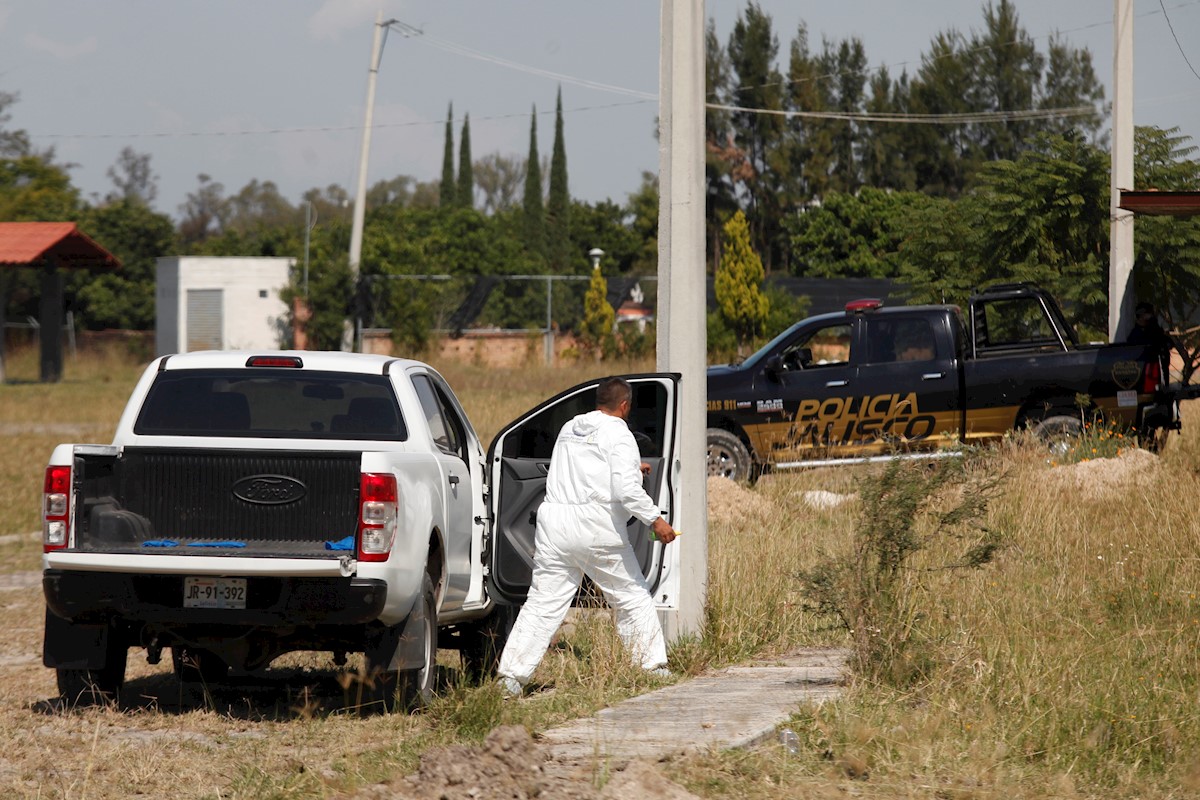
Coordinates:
<point>872,381</point>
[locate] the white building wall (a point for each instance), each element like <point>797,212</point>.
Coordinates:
<point>166,306</point>
<point>253,315</point>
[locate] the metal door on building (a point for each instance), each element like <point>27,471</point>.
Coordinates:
<point>205,319</point>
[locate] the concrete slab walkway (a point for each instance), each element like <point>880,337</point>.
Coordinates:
<point>734,707</point>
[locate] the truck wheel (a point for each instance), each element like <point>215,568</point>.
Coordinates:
<point>87,687</point>
<point>416,685</point>
<point>194,665</point>
<point>1059,430</point>
<point>484,641</point>
<point>728,456</point>
<point>412,688</point>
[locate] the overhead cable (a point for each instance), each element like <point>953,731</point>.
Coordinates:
<point>1176,38</point>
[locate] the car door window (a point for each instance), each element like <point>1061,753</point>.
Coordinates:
<point>893,340</point>
<point>439,430</point>
<point>828,346</point>
<point>456,437</point>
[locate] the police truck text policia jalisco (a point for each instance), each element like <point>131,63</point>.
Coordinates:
<point>843,420</point>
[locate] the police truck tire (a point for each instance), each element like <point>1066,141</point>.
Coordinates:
<point>728,456</point>
<point>1058,430</point>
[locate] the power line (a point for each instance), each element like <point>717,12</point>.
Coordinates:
<point>319,128</point>
<point>918,119</point>
<point>1176,38</point>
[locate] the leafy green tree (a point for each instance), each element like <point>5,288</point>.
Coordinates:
<point>204,212</point>
<point>722,157</point>
<point>535,215</point>
<point>558,227</point>
<point>642,211</point>
<point>881,145</point>
<point>596,330</point>
<point>808,143</point>
<point>1007,72</point>
<point>331,204</point>
<point>847,65</point>
<point>997,69</point>
<point>123,298</point>
<point>1042,217</point>
<point>1070,80</point>
<point>499,179</point>
<point>738,283</point>
<point>133,177</point>
<point>449,193</point>
<point>330,292</point>
<point>466,179</point>
<point>854,235</point>
<point>752,49</point>
<point>13,142</point>
<point>396,191</point>
<point>258,206</point>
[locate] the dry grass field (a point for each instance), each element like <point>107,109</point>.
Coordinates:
<point>1068,667</point>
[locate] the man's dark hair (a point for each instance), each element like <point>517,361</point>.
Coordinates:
<point>611,392</point>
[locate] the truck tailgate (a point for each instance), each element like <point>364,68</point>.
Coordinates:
<point>218,503</point>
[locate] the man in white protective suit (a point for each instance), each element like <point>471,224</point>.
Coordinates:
<point>593,486</point>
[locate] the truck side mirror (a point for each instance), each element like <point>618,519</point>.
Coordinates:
<point>774,366</point>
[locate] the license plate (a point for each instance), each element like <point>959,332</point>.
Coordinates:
<point>1127,399</point>
<point>214,592</point>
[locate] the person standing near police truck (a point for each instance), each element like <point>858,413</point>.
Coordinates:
<point>594,484</point>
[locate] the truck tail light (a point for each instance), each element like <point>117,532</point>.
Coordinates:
<point>377,516</point>
<point>1151,377</point>
<point>56,508</point>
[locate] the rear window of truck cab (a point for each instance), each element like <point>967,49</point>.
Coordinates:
<point>271,403</point>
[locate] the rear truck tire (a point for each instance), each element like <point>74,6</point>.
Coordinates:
<point>406,689</point>
<point>483,642</point>
<point>1057,429</point>
<point>727,456</point>
<point>96,686</point>
<point>195,665</point>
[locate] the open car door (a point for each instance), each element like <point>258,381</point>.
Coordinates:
<point>518,462</point>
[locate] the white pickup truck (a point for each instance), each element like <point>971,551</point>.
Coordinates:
<point>254,504</point>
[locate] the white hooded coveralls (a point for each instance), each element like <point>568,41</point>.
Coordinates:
<point>593,486</point>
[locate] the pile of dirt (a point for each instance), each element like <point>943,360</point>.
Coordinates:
<point>1102,476</point>
<point>510,766</point>
<point>732,502</point>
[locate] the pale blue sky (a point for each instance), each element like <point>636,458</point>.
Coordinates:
<point>196,83</point>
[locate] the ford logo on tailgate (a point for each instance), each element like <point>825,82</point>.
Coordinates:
<point>269,490</point>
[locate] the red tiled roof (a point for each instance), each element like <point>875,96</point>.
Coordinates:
<point>25,244</point>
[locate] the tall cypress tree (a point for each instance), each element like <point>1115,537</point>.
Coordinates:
<point>466,177</point>
<point>558,235</point>
<point>448,193</point>
<point>535,236</point>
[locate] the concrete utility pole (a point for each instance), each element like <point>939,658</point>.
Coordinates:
<point>360,196</point>
<point>1120,259</point>
<point>682,337</point>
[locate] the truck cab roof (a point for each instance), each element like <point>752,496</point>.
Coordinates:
<point>320,360</point>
